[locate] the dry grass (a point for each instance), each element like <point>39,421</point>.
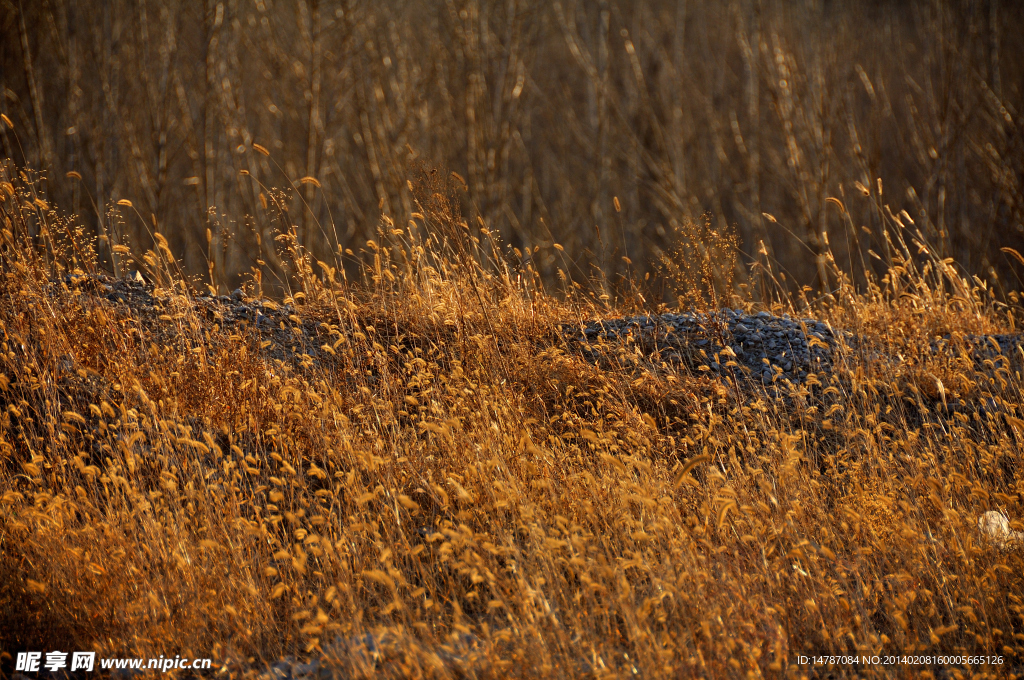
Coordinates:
<point>602,125</point>
<point>172,490</point>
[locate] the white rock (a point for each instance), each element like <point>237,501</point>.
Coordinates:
<point>996,527</point>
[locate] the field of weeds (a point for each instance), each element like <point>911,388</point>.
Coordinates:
<point>273,386</point>
<point>445,489</point>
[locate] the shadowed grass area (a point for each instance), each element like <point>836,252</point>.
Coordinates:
<point>607,126</point>
<point>446,468</point>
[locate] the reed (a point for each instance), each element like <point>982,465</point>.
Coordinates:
<point>605,126</point>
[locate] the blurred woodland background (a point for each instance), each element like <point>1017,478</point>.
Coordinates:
<point>606,126</point>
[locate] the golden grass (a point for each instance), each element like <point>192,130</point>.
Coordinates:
<point>453,469</point>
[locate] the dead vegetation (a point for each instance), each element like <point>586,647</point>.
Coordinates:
<point>455,472</point>
<point>607,126</point>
